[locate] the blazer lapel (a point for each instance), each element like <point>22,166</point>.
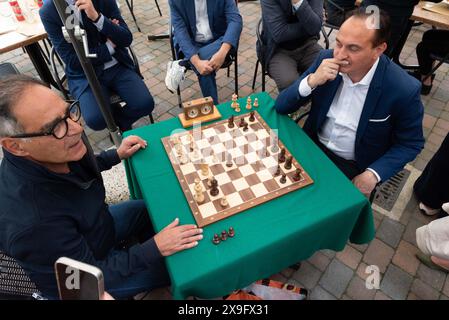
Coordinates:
<point>191,15</point>
<point>210,12</point>
<point>372,98</point>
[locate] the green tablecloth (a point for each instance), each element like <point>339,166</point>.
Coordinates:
<point>269,237</point>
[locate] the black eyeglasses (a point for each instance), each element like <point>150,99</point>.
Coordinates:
<point>61,127</point>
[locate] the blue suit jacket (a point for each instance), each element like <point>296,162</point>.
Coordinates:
<point>120,35</point>
<point>224,21</point>
<point>389,133</point>
<point>278,27</point>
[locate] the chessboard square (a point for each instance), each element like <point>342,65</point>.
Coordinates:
<point>218,148</point>
<point>258,166</point>
<point>252,157</point>
<point>235,132</point>
<point>240,184</point>
<point>202,144</point>
<point>225,136</point>
<point>293,168</point>
<point>251,137</point>
<point>252,179</point>
<point>269,162</point>
<point>222,178</point>
<point>257,145</point>
<point>264,175</point>
<point>246,170</point>
<point>206,152</point>
<point>218,206</point>
<point>262,134</point>
<point>256,126</point>
<point>220,128</point>
<point>287,182</point>
<point>228,188</point>
<point>246,149</point>
<point>259,190</point>
<point>240,141</point>
<point>271,185</point>
<point>234,199</point>
<point>209,132</point>
<point>207,209</point>
<point>241,161</point>
<point>187,168</point>
<point>216,169</point>
<point>190,178</point>
<point>234,174</point>
<point>236,152</point>
<point>246,194</point>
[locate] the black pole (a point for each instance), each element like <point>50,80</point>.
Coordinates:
<point>61,7</point>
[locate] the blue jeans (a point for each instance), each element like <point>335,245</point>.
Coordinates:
<point>131,219</point>
<point>131,89</point>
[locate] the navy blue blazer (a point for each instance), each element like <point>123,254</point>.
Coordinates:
<point>224,21</point>
<point>278,26</point>
<point>390,132</point>
<point>120,35</point>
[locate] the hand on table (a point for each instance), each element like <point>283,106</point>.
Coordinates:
<point>174,238</point>
<point>129,146</point>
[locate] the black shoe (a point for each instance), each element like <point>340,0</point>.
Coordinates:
<point>425,89</point>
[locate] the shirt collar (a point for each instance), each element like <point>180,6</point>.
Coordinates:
<point>366,80</point>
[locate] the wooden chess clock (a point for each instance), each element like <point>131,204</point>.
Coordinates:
<point>198,110</point>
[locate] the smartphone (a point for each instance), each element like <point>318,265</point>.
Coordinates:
<point>78,281</point>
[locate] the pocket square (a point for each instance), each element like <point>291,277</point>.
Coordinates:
<point>380,120</point>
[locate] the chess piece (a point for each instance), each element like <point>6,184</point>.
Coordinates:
<point>209,181</point>
<point>204,169</point>
<point>224,235</point>
<point>242,122</point>
<point>283,178</point>
<point>231,232</point>
<point>175,140</point>
<point>245,126</point>
<point>178,149</point>
<point>251,116</point>
<point>183,159</point>
<point>198,196</point>
<point>297,175</point>
<point>288,162</point>
<point>256,103</point>
<point>237,107</point>
<point>229,160</point>
<point>224,202</point>
<point>281,157</point>
<point>192,145</point>
<point>231,122</point>
<point>278,171</point>
<point>214,187</point>
<point>216,239</point>
<point>274,145</point>
<point>248,103</point>
<point>196,153</point>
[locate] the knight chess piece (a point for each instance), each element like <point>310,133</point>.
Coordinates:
<point>214,187</point>
<point>224,235</point>
<point>288,162</point>
<point>216,239</point>
<point>252,118</point>
<point>231,122</point>
<point>231,232</point>
<point>297,175</point>
<point>282,155</point>
<point>283,178</point>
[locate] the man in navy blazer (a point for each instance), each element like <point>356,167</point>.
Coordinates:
<point>366,111</point>
<point>205,32</point>
<point>108,37</point>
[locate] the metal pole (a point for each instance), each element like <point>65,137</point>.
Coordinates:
<point>61,7</point>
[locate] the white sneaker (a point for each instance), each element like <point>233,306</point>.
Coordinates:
<point>428,211</point>
<point>174,76</point>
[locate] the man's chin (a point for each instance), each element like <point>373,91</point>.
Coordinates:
<point>78,151</point>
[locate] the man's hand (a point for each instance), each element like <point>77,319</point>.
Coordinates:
<point>365,182</point>
<point>174,238</point>
<point>219,57</point>
<point>115,21</point>
<point>88,7</point>
<point>327,71</point>
<point>202,66</point>
<point>129,146</point>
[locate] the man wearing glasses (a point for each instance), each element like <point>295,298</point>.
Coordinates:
<point>52,198</point>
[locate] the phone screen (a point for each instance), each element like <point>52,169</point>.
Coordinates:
<point>74,283</point>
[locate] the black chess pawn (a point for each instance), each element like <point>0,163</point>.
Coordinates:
<point>282,155</point>
<point>251,117</point>
<point>245,126</point>
<point>214,190</point>
<point>231,122</point>
<point>231,232</point>
<point>278,171</point>
<point>283,178</point>
<point>288,162</point>
<point>297,175</point>
<point>216,239</point>
<point>224,235</point>
<point>242,122</point>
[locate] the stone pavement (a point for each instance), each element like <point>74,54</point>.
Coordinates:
<point>328,274</point>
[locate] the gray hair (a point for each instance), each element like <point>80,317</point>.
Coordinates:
<point>11,90</point>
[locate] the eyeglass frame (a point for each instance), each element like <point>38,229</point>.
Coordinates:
<point>50,132</point>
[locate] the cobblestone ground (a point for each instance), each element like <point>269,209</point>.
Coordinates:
<point>328,274</point>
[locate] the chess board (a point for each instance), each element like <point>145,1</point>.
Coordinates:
<point>249,182</point>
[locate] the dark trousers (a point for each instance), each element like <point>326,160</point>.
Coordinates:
<point>131,89</point>
<point>433,41</point>
<point>432,187</point>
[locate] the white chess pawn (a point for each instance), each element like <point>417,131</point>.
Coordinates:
<point>256,103</point>
<point>199,195</point>
<point>205,169</point>
<point>224,202</point>
<point>183,159</point>
<point>237,107</point>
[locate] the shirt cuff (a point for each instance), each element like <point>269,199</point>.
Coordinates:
<point>375,173</point>
<point>99,23</point>
<point>304,88</point>
<point>297,5</point>
<point>110,47</point>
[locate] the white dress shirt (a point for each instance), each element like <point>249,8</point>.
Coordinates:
<point>339,130</point>
<point>203,32</point>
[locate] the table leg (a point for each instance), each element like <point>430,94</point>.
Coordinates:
<point>40,65</point>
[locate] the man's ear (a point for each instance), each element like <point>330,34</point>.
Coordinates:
<point>14,146</point>
<point>381,48</point>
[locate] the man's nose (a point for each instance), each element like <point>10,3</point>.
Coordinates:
<point>74,127</point>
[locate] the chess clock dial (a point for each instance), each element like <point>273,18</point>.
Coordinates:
<point>206,109</point>
<point>192,113</point>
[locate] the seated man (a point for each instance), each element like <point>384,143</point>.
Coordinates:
<point>205,32</point>
<point>52,198</point>
<point>290,32</point>
<point>366,111</point>
<point>338,11</point>
<point>109,38</point>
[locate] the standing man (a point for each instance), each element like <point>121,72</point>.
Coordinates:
<point>205,32</point>
<point>290,33</point>
<point>108,37</point>
<point>366,112</point>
